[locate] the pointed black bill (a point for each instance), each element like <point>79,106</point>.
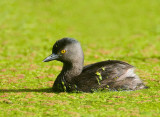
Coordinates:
<point>51,57</point>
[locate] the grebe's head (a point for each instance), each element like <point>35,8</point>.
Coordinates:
<point>66,50</point>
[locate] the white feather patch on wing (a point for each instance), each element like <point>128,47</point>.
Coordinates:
<point>129,73</point>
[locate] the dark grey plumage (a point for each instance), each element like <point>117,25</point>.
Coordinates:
<point>105,75</point>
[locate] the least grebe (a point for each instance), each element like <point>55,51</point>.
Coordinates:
<point>105,75</point>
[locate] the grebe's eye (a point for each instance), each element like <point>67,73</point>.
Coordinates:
<point>63,51</point>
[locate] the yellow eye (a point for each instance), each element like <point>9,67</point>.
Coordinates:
<point>63,51</point>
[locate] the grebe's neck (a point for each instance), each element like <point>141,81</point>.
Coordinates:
<point>71,70</point>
